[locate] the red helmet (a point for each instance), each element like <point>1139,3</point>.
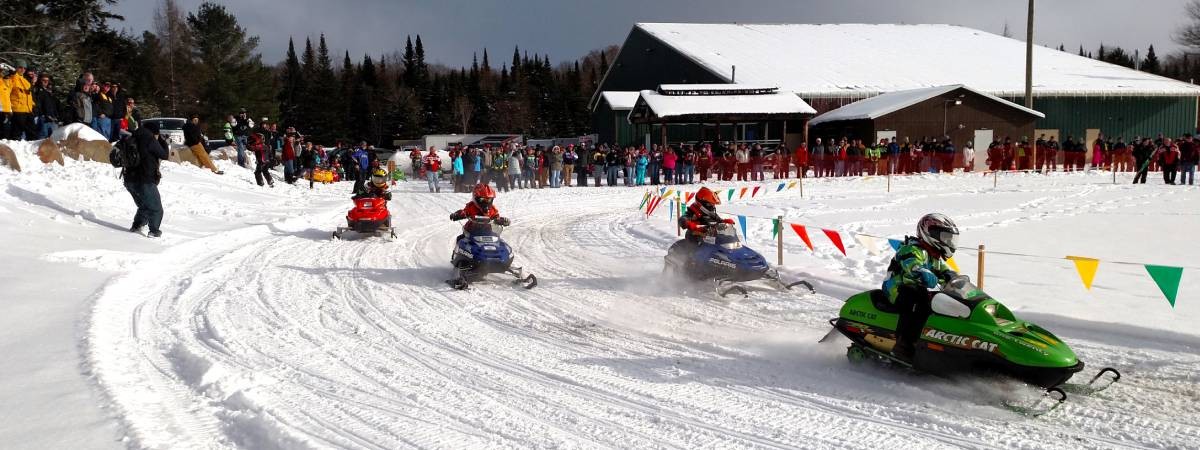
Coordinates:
<point>706,196</point>
<point>483,196</point>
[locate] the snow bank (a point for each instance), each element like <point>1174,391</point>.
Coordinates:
<point>79,130</point>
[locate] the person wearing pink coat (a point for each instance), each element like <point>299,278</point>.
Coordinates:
<point>668,165</point>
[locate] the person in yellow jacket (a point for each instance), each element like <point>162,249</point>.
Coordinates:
<point>21,100</point>
<point>5,100</point>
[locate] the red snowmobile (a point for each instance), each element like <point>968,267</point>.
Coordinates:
<point>369,216</point>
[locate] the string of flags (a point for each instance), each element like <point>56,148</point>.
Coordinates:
<point>1167,278</point>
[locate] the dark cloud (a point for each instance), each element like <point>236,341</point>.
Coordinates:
<point>567,29</point>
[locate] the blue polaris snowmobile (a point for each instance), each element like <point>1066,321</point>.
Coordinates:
<point>720,257</point>
<point>480,251</point>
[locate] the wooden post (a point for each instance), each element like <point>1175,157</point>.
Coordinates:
<point>779,240</point>
<point>801,187</point>
<point>979,274</point>
<point>889,188</point>
<point>995,178</point>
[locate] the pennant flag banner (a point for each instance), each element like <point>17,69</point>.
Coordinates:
<point>953,264</point>
<point>791,185</point>
<point>774,228</point>
<point>645,198</point>
<point>781,186</point>
<point>1086,268</point>
<point>895,243</point>
<point>1167,278</point>
<point>730,196</point>
<point>800,231</point>
<point>682,209</point>
<point>672,203</point>
<point>869,242</point>
<point>752,194</point>
<point>742,222</point>
<point>669,192</point>
<point>688,197</point>
<point>743,194</point>
<point>836,239</point>
<point>661,190</point>
<point>653,205</point>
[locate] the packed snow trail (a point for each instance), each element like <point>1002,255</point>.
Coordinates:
<point>275,336</point>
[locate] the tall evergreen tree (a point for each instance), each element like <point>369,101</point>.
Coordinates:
<point>1151,64</point>
<point>291,86</point>
<point>230,70</point>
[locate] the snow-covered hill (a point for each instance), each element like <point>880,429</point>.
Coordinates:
<point>245,326</point>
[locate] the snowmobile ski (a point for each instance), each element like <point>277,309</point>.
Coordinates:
<point>1050,400</point>
<point>1092,387</point>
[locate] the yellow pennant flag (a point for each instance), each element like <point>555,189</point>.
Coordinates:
<point>871,244</point>
<point>953,265</point>
<point>669,192</point>
<point>791,185</point>
<point>1086,268</point>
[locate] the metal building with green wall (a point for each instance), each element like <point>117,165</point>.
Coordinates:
<point>832,65</point>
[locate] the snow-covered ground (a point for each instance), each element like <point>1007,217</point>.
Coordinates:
<point>246,326</point>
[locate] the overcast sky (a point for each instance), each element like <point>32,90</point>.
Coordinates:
<point>567,29</point>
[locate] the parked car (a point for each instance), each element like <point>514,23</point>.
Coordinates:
<point>171,128</point>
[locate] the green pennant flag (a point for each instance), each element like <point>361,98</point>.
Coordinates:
<point>774,228</point>
<point>1167,278</point>
<point>730,196</point>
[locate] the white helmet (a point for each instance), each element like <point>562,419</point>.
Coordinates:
<point>938,231</point>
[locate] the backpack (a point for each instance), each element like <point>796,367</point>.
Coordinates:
<point>125,153</point>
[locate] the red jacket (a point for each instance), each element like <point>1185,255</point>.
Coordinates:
<point>472,210</point>
<point>697,222</point>
<point>433,162</point>
<point>801,155</point>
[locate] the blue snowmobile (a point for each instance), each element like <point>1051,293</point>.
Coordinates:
<point>480,251</point>
<point>720,256</point>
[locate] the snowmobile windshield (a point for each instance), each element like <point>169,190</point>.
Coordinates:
<point>482,227</point>
<point>962,288</point>
<point>725,236</point>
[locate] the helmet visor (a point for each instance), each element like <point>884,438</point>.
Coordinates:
<point>483,202</point>
<point>947,239</point>
<point>379,179</point>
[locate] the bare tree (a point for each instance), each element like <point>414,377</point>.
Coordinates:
<point>172,30</point>
<point>1189,35</point>
<point>463,110</point>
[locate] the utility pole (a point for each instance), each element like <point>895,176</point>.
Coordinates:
<point>1029,59</point>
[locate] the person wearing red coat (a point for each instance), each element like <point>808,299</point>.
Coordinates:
<point>800,158</point>
<point>481,205</point>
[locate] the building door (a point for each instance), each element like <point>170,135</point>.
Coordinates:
<point>884,134</point>
<point>1090,138</point>
<point>983,138</point>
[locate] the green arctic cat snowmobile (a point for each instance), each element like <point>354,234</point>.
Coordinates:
<point>968,333</point>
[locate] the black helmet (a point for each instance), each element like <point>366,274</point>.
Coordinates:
<point>938,231</point>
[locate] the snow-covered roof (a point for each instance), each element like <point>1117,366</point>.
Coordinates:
<point>684,105</point>
<point>700,87</point>
<point>620,100</point>
<point>884,104</point>
<point>861,60</point>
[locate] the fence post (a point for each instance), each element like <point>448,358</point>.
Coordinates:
<point>801,187</point>
<point>779,240</point>
<point>979,275</point>
<point>995,178</point>
<point>889,188</point>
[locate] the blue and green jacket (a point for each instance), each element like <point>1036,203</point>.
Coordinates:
<point>908,260</point>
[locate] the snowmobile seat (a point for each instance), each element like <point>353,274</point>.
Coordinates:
<point>880,300</point>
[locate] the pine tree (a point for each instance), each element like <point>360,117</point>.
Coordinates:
<point>1081,52</point>
<point>1151,64</point>
<point>291,85</point>
<point>230,71</point>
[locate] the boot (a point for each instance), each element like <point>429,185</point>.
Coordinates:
<point>903,350</point>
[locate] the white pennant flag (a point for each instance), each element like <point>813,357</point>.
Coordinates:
<point>871,243</point>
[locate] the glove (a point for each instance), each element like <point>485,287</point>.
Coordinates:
<point>457,215</point>
<point>925,278</point>
<point>502,221</point>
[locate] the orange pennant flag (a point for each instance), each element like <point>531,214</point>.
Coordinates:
<point>800,231</point>
<point>836,239</point>
<point>743,194</point>
<point>688,197</point>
